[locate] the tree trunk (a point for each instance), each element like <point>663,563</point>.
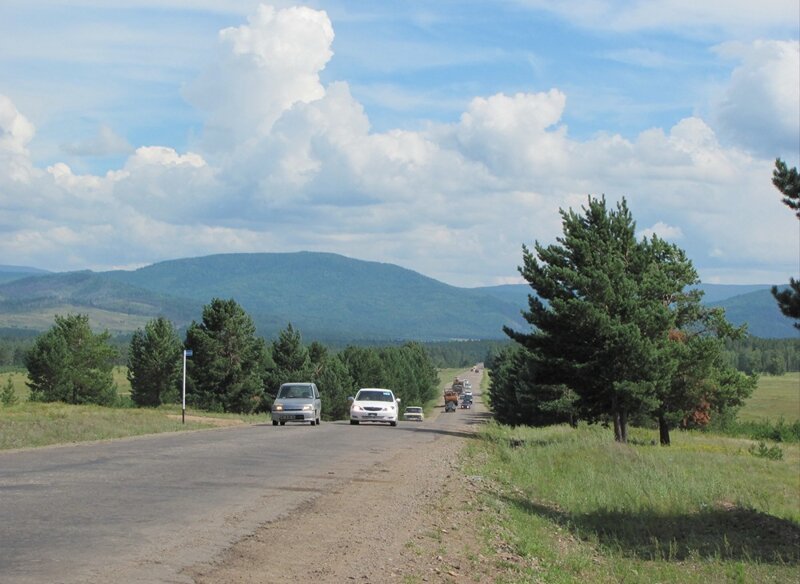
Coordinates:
<point>663,430</point>
<point>621,426</point>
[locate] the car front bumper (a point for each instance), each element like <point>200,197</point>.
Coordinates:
<point>293,416</point>
<point>373,416</point>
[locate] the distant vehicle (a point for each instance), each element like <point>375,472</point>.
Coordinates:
<point>373,404</point>
<point>297,402</point>
<point>450,396</point>
<point>450,406</point>
<point>414,413</point>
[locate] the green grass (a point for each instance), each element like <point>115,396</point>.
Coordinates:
<point>32,424</point>
<point>775,397</point>
<point>580,508</point>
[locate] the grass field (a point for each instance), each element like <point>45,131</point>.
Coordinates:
<point>776,397</point>
<point>577,507</point>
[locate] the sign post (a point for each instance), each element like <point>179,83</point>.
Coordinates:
<point>186,353</point>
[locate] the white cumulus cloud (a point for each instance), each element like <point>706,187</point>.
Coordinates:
<point>760,107</point>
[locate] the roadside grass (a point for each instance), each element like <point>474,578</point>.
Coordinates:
<point>776,397</point>
<point>31,424</point>
<point>577,507</point>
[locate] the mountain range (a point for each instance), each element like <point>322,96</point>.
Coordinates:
<point>326,296</point>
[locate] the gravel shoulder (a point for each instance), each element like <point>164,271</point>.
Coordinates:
<point>413,518</point>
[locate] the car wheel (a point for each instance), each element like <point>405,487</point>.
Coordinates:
<point>393,423</point>
<point>283,423</point>
<point>274,422</point>
<point>354,422</point>
<point>319,421</point>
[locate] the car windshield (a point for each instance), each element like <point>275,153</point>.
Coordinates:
<point>413,410</point>
<point>374,395</point>
<point>296,392</point>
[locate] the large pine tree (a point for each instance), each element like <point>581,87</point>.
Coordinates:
<point>607,315</point>
<point>228,366</point>
<point>154,363</point>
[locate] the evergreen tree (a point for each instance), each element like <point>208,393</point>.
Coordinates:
<point>70,363</point>
<point>7,396</point>
<point>788,183</point>
<point>228,367</point>
<point>592,332</point>
<point>608,312</point>
<point>364,365</point>
<point>291,360</point>
<point>154,363</point>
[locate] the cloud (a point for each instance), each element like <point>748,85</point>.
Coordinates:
<point>760,107</point>
<point>286,162</point>
<point>15,134</point>
<point>264,68</point>
<point>663,231</point>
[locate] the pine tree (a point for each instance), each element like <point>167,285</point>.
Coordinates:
<point>788,183</point>
<point>7,396</point>
<point>70,363</point>
<point>154,363</point>
<point>228,367</point>
<point>606,317</point>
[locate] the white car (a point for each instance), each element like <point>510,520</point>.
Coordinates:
<point>414,413</point>
<point>374,404</point>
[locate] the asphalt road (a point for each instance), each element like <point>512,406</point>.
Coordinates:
<point>142,509</point>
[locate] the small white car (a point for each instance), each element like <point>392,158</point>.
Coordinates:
<point>374,404</point>
<point>414,413</point>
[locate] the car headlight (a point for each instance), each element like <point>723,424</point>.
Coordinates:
<point>308,407</point>
<point>278,408</point>
<point>357,408</point>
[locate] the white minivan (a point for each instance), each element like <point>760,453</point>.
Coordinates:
<point>297,402</point>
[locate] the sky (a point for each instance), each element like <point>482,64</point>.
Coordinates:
<point>438,136</point>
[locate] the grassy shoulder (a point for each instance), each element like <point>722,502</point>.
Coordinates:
<point>31,424</point>
<point>574,506</point>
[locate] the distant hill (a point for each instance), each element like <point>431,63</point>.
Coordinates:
<point>761,313</point>
<point>32,301</point>
<point>10,273</point>
<point>751,304</point>
<point>330,296</point>
<point>326,296</point>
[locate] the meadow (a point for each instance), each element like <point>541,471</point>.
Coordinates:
<point>575,506</point>
<point>776,397</point>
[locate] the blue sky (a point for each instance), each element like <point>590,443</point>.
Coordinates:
<point>437,136</point>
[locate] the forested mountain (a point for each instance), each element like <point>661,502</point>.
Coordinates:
<point>9,273</point>
<point>327,296</point>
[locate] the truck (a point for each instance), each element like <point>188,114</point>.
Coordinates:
<point>450,397</point>
<point>458,385</point>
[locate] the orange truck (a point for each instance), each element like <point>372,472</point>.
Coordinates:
<point>450,396</point>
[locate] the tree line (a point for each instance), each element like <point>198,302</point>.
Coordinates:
<point>231,369</point>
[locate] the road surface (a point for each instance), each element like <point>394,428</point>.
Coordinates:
<point>144,509</point>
